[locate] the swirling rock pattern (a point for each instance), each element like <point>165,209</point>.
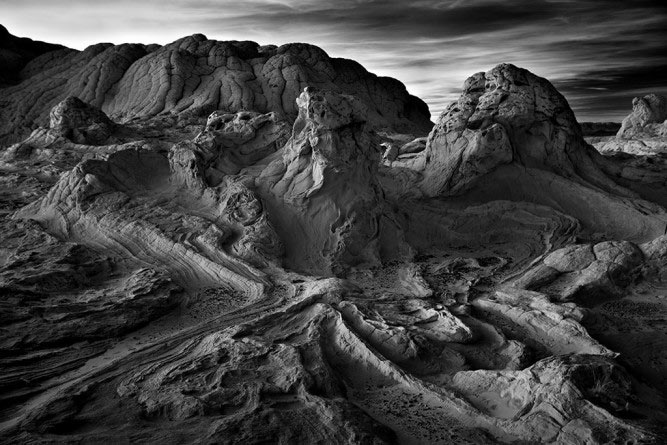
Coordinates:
<point>272,273</point>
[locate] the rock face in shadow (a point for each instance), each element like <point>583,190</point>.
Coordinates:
<point>294,269</point>
<point>199,75</point>
<point>593,129</point>
<point>16,52</point>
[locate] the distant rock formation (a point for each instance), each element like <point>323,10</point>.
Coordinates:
<point>640,149</point>
<point>647,119</point>
<point>198,75</point>
<point>590,129</point>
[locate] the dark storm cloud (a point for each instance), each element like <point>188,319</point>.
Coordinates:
<point>598,53</point>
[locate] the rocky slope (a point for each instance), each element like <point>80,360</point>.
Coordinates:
<point>304,273</point>
<point>197,75</point>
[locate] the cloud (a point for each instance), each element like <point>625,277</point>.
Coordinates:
<point>597,52</point>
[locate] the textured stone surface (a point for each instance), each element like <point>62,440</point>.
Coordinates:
<point>199,75</point>
<point>80,122</point>
<point>505,115</point>
<point>230,142</point>
<point>512,136</point>
<point>647,118</point>
<point>283,271</point>
<point>323,193</point>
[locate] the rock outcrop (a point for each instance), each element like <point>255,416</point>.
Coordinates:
<point>323,193</point>
<point>80,122</point>
<point>512,136</point>
<point>233,141</point>
<point>647,118</point>
<point>198,75</point>
<point>643,132</point>
<point>304,267</point>
<point>507,115</point>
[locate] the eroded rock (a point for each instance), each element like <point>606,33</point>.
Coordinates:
<point>647,118</point>
<point>201,75</point>
<point>178,283</point>
<point>230,142</point>
<point>80,122</point>
<point>323,194</point>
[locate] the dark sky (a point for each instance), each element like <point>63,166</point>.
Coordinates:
<point>599,53</point>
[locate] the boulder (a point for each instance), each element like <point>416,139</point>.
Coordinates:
<point>80,122</point>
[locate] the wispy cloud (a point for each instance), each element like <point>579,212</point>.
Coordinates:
<point>599,53</point>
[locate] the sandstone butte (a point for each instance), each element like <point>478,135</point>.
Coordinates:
<point>221,242</point>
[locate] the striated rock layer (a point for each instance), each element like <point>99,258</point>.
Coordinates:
<point>294,272</point>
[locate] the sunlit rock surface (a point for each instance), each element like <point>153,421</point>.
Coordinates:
<point>301,268</point>
<point>647,118</point>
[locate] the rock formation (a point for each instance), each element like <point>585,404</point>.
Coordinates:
<point>643,132</point>
<point>512,136</point>
<point>323,193</point>
<point>308,266</point>
<point>231,142</point>
<point>80,122</point>
<point>198,75</point>
<point>638,152</point>
<point>647,118</point>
